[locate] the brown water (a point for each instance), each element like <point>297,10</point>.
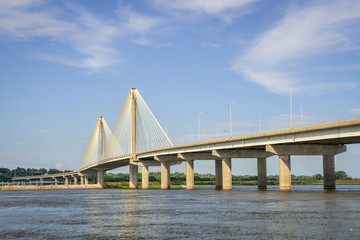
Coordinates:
<point>243,213</point>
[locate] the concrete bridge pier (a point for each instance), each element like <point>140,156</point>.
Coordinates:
<point>66,180</point>
<point>189,174</point>
<point>285,151</point>
<point>81,180</point>
<point>75,180</point>
<point>133,176</point>
<point>218,174</point>
<point>261,168</point>
<point>100,177</point>
<point>165,175</point>
<point>329,172</point>
<point>145,177</point>
<point>86,179</point>
<point>226,174</point>
<point>55,180</point>
<point>284,173</point>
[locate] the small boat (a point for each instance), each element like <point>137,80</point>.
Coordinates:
<point>183,186</point>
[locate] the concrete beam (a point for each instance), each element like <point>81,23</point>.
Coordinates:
<point>150,163</point>
<point>197,156</point>
<point>241,153</point>
<point>305,149</point>
<point>166,158</point>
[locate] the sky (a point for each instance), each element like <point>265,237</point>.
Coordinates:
<point>65,63</point>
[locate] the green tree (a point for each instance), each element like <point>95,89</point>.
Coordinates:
<point>4,178</point>
<point>5,171</point>
<point>53,171</point>
<point>42,171</point>
<point>318,176</point>
<point>341,175</point>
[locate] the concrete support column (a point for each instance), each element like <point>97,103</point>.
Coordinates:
<point>218,174</point>
<point>82,180</point>
<point>86,178</point>
<point>145,177</point>
<point>189,174</point>
<point>261,167</point>
<point>329,171</point>
<point>100,177</point>
<point>75,180</point>
<point>66,181</point>
<point>226,174</point>
<point>133,178</point>
<point>165,175</point>
<point>284,173</point>
<point>55,180</point>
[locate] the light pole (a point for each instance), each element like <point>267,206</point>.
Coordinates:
<point>199,125</point>
<point>291,114</point>
<point>231,120</point>
<point>259,122</point>
<point>302,119</point>
<point>167,127</point>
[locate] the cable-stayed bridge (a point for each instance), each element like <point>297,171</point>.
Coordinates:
<point>138,140</point>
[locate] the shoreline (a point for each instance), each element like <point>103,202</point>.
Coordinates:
<point>41,187</point>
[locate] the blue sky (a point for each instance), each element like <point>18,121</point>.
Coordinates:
<point>65,63</point>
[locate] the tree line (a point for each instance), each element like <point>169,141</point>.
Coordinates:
<point>177,177</point>
<point>181,177</point>
<point>6,174</point>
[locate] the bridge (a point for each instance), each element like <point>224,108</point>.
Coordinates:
<point>138,140</point>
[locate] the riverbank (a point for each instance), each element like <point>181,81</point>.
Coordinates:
<point>38,187</point>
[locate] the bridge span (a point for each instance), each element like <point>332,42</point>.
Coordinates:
<point>113,149</point>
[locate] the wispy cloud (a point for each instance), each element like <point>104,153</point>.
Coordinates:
<point>305,31</point>
<point>59,166</point>
<point>355,111</point>
<point>225,9</point>
<point>209,44</point>
<point>90,37</point>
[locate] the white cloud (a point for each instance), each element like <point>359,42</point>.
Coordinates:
<point>355,111</point>
<point>59,166</point>
<point>209,44</point>
<point>305,31</point>
<point>90,37</point>
<point>225,9</point>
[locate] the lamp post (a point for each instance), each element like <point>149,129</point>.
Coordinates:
<point>231,120</point>
<point>291,108</point>
<point>199,125</point>
<point>302,119</point>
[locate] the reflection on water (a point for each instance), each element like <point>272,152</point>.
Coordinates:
<point>306,212</point>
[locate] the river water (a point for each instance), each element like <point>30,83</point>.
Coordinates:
<point>307,212</point>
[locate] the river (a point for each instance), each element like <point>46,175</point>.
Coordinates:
<point>204,213</point>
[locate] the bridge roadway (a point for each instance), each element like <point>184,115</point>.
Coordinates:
<point>326,140</point>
